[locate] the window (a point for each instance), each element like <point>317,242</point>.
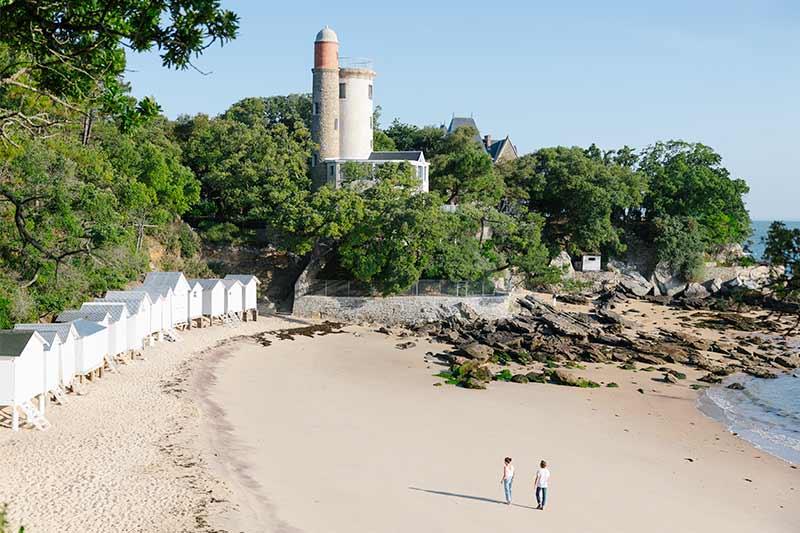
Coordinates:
<point>336,123</point>
<point>316,108</point>
<point>342,90</point>
<point>313,160</point>
<point>370,91</point>
<point>331,170</point>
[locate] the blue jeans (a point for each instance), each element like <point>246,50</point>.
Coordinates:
<point>507,487</point>
<point>541,496</point>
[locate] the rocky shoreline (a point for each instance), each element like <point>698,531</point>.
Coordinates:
<point>719,336</point>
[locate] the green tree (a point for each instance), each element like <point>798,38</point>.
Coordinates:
<point>678,242</point>
<point>782,248</point>
<point>60,59</point>
<point>688,180</point>
<point>580,193</point>
<point>463,172</point>
<point>428,139</point>
<point>293,111</point>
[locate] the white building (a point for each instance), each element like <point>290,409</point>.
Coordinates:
<point>178,295</point>
<point>342,115</point>
<point>138,304</point>
<point>117,324</point>
<point>195,300</point>
<point>250,285</point>
<point>213,297</point>
<point>591,263</point>
<point>160,309</point>
<point>67,339</point>
<point>22,373</point>
<point>91,347</point>
<point>233,296</point>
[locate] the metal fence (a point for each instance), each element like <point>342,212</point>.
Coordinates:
<point>424,287</point>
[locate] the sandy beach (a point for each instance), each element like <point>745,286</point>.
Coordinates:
<point>120,458</point>
<point>346,433</point>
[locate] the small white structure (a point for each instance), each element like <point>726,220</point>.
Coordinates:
<point>250,285</point>
<point>178,295</point>
<point>138,305</point>
<point>213,297</point>
<point>234,290</point>
<point>159,310</point>
<point>195,301</point>
<point>23,369</point>
<point>92,346</point>
<point>98,316</point>
<point>117,324</point>
<point>591,263</point>
<point>67,339</point>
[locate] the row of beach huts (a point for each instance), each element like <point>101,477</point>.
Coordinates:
<point>46,361</point>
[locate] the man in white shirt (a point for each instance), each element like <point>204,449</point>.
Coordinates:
<point>541,483</point>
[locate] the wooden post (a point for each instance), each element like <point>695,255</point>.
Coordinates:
<point>14,418</point>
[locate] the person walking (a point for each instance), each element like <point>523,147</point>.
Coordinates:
<point>507,479</point>
<point>541,483</point>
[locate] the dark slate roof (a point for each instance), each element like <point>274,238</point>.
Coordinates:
<point>132,299</point>
<point>86,328</point>
<point>497,146</point>
<point>396,156</point>
<point>115,309</point>
<point>460,122</point>
<point>207,284</point>
<point>163,279</point>
<point>95,315</point>
<point>244,278</point>
<point>49,337</point>
<point>64,329</point>
<point>13,342</point>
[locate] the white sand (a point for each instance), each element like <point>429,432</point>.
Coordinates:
<point>114,460</point>
<point>346,434</point>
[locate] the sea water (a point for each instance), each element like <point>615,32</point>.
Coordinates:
<point>767,412</point>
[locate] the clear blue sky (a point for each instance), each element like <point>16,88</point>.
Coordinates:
<point>726,73</point>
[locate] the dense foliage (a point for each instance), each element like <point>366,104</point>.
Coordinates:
<point>782,249</point>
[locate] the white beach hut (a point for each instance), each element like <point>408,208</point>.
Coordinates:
<point>138,304</point>
<point>23,371</point>
<point>250,285</point>
<point>195,301</point>
<point>117,324</point>
<point>159,310</point>
<point>92,346</point>
<point>178,296</point>
<point>234,290</point>
<point>67,338</point>
<point>213,297</point>
<point>98,316</point>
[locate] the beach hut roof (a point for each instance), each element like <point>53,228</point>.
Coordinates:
<point>244,278</point>
<point>154,293</point>
<point>115,309</point>
<point>194,283</point>
<point>133,299</point>
<point>95,315</point>
<point>163,279</point>
<point>208,283</point>
<point>49,337</point>
<point>231,282</point>
<point>64,329</point>
<point>13,342</point>
<point>86,328</point>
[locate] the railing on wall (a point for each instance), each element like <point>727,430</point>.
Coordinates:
<point>424,287</point>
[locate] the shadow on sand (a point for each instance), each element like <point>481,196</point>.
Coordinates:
<point>469,497</point>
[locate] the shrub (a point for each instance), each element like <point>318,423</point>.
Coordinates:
<point>220,233</point>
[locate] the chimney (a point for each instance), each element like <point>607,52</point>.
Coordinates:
<point>487,141</point>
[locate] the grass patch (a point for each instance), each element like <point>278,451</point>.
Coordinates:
<point>503,375</point>
<point>448,377</point>
<point>612,385</point>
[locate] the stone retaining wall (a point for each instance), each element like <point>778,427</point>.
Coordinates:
<point>400,309</point>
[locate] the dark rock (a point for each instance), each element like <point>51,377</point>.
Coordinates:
<point>474,350</point>
<point>535,377</point>
<point>736,386</point>
<point>405,345</point>
<point>669,378</point>
<point>710,378</point>
<point>563,377</point>
<point>519,378</point>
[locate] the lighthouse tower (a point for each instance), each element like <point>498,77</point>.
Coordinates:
<point>325,99</point>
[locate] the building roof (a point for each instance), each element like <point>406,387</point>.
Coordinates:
<point>326,34</point>
<point>133,299</point>
<point>49,337</point>
<point>164,279</point>
<point>13,342</point>
<point>230,282</point>
<point>462,122</point>
<point>244,278</point>
<point>64,329</point>
<point>496,148</point>
<point>207,283</point>
<point>117,310</point>
<point>84,328</point>
<point>94,315</point>
<point>397,156</point>
<point>155,293</point>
